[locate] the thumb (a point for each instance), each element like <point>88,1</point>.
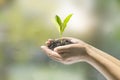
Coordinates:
<point>61,49</point>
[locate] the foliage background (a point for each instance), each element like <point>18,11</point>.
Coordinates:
<point>25,25</point>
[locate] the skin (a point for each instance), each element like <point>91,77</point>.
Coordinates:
<point>83,52</point>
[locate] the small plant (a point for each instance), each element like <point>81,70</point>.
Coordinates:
<point>62,25</point>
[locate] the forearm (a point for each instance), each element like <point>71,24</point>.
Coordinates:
<point>106,64</point>
<point>80,51</point>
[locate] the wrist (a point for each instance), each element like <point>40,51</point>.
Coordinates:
<point>87,53</point>
<point>84,54</point>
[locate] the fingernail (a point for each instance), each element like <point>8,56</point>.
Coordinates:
<point>50,39</point>
<point>42,46</point>
<point>73,41</point>
<point>48,42</point>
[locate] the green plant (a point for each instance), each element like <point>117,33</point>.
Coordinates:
<point>62,25</point>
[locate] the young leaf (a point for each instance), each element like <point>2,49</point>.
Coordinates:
<point>62,25</point>
<point>58,20</point>
<point>66,20</point>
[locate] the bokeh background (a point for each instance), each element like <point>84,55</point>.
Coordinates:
<point>25,25</point>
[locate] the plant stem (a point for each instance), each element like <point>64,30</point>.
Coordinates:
<point>60,35</point>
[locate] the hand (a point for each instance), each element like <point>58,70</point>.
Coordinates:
<point>69,53</point>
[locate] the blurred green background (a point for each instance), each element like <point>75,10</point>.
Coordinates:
<point>25,25</point>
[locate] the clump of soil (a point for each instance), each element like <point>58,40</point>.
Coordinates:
<point>58,42</point>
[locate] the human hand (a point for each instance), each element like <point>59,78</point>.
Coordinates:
<point>69,53</point>
<point>81,51</point>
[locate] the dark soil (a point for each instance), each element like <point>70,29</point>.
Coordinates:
<point>58,42</point>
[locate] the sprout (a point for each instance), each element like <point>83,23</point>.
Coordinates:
<point>62,25</point>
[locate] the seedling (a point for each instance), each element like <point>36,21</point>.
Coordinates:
<point>61,27</point>
<point>62,24</point>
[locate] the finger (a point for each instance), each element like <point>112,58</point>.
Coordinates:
<point>73,40</point>
<point>62,49</point>
<point>69,38</point>
<point>50,53</point>
<point>67,48</point>
<point>48,41</point>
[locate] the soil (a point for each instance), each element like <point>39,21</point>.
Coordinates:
<point>58,42</point>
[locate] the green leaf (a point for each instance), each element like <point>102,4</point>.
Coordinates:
<point>58,20</point>
<point>66,20</point>
<point>62,25</point>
